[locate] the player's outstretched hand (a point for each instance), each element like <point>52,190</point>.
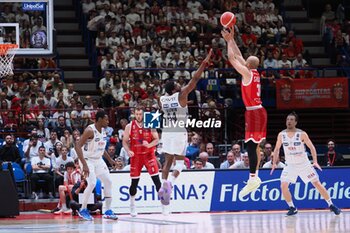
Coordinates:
<point>273,168</point>
<point>207,59</point>
<point>86,171</point>
<point>131,153</point>
<point>228,34</point>
<point>316,165</point>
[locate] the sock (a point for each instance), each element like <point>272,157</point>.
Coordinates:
<point>252,176</point>
<point>132,200</point>
<point>291,204</point>
<point>172,179</point>
<point>329,202</point>
<point>163,180</point>
<point>108,202</point>
<point>256,173</point>
<point>64,206</point>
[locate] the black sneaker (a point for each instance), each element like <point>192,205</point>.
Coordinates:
<point>292,211</point>
<point>335,209</point>
<point>54,210</point>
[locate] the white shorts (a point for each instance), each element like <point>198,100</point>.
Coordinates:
<point>97,167</point>
<point>305,171</point>
<point>174,143</point>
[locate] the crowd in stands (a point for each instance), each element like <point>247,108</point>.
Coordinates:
<point>335,29</point>
<point>161,36</point>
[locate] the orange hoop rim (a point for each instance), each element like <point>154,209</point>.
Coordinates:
<point>4,48</point>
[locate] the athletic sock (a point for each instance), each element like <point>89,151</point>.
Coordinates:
<point>172,179</point>
<point>252,176</point>
<point>291,204</point>
<point>108,202</point>
<point>132,200</point>
<point>329,202</point>
<point>164,180</point>
<point>64,206</point>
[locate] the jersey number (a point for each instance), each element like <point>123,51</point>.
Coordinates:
<point>259,89</point>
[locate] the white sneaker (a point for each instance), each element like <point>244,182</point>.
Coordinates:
<point>58,212</point>
<point>251,186</point>
<point>67,211</point>
<point>165,210</point>
<point>133,211</point>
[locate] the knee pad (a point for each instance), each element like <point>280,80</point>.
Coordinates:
<point>179,165</point>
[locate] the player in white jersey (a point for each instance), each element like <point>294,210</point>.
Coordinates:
<point>90,149</point>
<point>174,137</point>
<point>297,163</point>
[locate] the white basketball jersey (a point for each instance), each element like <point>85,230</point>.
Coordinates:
<point>173,112</point>
<point>294,148</point>
<point>95,147</point>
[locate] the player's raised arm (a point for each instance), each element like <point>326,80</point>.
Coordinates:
<point>229,37</point>
<point>276,152</point>
<point>88,134</point>
<point>235,59</point>
<point>194,80</point>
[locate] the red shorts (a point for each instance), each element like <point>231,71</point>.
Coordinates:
<point>137,162</point>
<point>255,125</point>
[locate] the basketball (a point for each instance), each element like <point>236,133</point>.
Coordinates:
<point>228,19</point>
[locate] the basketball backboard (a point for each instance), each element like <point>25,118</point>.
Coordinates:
<point>29,24</point>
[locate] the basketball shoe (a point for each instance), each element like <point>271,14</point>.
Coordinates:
<point>109,214</point>
<point>335,209</point>
<point>291,211</point>
<point>251,186</point>
<point>164,193</point>
<point>133,211</point>
<point>85,215</point>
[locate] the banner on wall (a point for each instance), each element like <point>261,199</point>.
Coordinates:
<point>218,191</point>
<point>312,93</point>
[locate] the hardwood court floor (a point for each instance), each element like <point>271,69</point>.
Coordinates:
<point>315,221</point>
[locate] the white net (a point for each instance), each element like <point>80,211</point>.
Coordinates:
<point>7,53</point>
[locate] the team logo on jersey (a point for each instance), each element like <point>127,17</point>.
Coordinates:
<point>297,143</point>
<point>166,106</point>
<point>174,105</point>
<point>152,120</point>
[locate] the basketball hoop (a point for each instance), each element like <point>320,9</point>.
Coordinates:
<point>7,53</point>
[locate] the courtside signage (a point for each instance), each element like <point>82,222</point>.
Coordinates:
<point>34,6</point>
<point>191,192</point>
<point>218,191</point>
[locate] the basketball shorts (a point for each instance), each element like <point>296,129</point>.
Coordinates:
<point>305,171</point>
<point>97,167</point>
<point>148,160</point>
<point>174,143</point>
<point>255,125</point>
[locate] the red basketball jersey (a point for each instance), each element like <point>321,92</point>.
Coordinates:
<point>251,91</point>
<point>137,136</point>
